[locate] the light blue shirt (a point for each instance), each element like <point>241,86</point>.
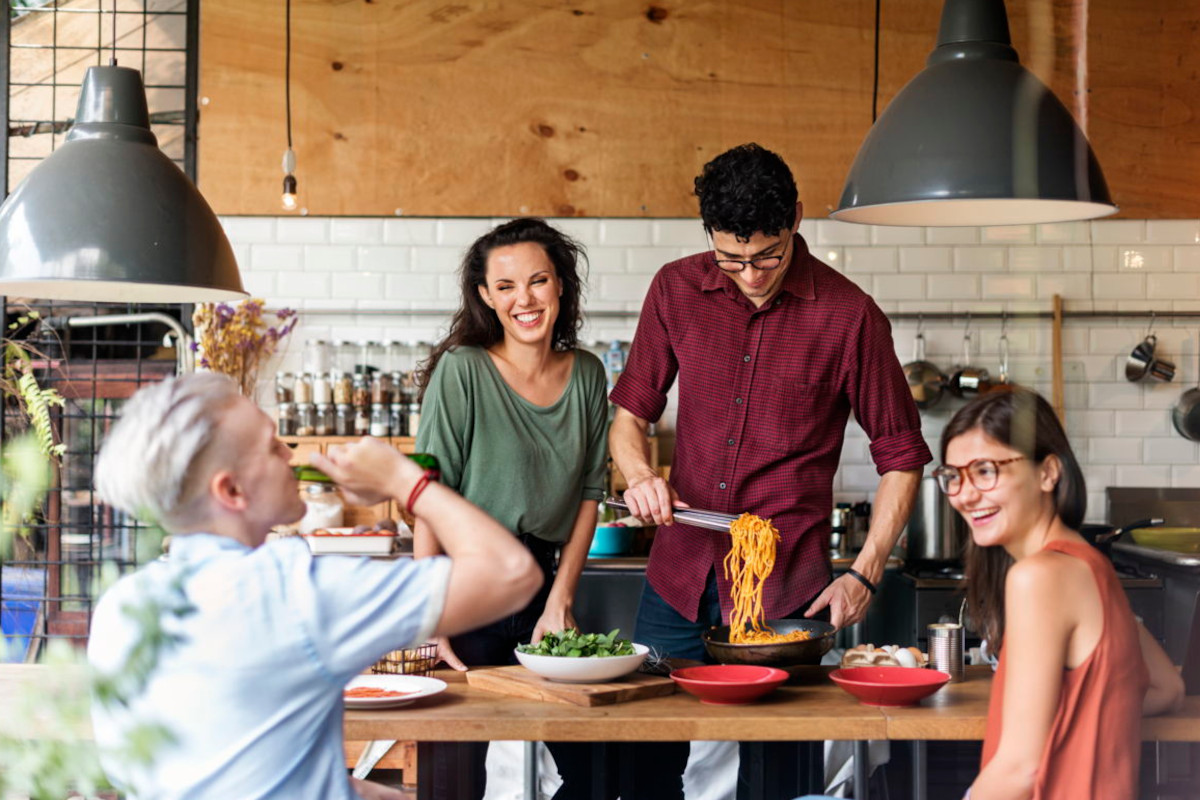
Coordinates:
<point>253,695</point>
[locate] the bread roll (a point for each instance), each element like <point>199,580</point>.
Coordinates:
<point>889,655</point>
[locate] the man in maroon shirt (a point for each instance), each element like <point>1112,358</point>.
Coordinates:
<point>773,350</point>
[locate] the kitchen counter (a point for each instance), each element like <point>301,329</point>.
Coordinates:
<point>1158,556</point>
<point>840,564</point>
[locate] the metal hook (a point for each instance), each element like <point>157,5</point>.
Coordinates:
<point>920,323</point>
<point>1150,327</point>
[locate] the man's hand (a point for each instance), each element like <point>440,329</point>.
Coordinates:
<point>368,471</point>
<point>369,790</point>
<point>847,600</point>
<point>651,499</point>
<point>445,653</point>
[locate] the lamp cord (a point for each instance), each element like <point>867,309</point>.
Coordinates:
<point>875,85</point>
<point>287,69</point>
<point>112,59</point>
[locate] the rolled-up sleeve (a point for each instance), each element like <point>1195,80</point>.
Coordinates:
<point>651,368</point>
<point>881,399</point>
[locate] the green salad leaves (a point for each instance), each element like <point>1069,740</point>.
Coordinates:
<point>574,644</point>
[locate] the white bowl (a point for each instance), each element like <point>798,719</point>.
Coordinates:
<point>595,669</point>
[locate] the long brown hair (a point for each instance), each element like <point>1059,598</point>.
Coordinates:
<point>476,324</point>
<point>1023,420</point>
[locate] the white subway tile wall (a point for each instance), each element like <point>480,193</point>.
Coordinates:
<point>357,279</point>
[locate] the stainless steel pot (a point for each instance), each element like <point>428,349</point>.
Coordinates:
<point>936,531</point>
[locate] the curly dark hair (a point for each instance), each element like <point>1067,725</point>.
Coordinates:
<point>475,323</point>
<point>747,190</point>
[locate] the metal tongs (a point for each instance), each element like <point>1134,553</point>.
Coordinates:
<point>712,520</point>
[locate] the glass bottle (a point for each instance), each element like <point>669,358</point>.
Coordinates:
<point>346,358</point>
<point>379,420</point>
<point>343,420</point>
<point>286,414</point>
<point>324,508</point>
<point>306,419</point>
<point>322,391</point>
<point>316,356</point>
<point>361,394</point>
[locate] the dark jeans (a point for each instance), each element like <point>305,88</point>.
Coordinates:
<point>459,771</point>
<point>771,769</point>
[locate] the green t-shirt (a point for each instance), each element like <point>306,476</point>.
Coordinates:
<point>528,466</point>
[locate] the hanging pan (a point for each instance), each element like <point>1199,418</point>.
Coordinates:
<point>1186,413</point>
<point>926,382</point>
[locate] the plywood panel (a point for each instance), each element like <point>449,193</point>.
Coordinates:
<point>610,107</point>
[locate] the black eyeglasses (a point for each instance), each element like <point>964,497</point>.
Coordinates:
<point>762,264</point>
<point>983,473</point>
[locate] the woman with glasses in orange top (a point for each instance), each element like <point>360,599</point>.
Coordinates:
<point>1077,670</point>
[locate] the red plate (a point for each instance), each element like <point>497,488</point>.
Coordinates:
<point>729,684</point>
<point>889,686</point>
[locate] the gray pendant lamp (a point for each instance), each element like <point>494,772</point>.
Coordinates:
<point>974,139</point>
<point>107,217</point>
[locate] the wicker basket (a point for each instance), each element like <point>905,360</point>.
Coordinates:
<point>418,660</point>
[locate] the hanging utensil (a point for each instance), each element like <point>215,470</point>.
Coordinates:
<point>1142,361</point>
<point>967,379</point>
<point>1186,413</point>
<point>1004,349</point>
<point>926,382</point>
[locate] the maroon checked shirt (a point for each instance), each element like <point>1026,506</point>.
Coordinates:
<point>764,397</point>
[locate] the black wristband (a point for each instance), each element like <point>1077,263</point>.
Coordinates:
<point>858,576</point>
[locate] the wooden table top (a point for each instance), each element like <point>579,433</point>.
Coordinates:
<point>810,707</point>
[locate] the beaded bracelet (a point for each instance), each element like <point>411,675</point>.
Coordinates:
<point>858,576</point>
<point>429,475</point>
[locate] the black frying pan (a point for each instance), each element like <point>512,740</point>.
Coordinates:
<point>1102,536</point>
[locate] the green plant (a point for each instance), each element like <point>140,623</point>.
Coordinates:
<point>574,644</point>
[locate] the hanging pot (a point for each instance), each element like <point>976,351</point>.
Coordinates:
<point>966,379</point>
<point>926,382</point>
<point>1186,413</point>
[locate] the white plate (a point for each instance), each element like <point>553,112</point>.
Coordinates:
<point>415,684</point>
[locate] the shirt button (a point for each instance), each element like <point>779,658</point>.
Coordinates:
<point>730,442</point>
<point>778,300</point>
<point>722,484</point>
<point>746,359</point>
<point>738,400</point>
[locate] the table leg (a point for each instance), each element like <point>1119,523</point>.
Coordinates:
<point>862,769</point>
<point>920,766</point>
<point>531,771</point>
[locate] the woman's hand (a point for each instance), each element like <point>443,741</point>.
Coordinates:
<point>368,790</point>
<point>553,620</point>
<point>369,471</point>
<point>445,653</point>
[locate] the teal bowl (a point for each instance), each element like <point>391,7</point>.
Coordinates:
<point>611,540</point>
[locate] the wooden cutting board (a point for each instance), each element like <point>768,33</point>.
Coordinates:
<point>520,682</point>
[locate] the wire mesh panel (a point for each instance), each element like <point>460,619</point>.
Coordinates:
<point>51,45</point>
<point>49,583</point>
<point>52,578</point>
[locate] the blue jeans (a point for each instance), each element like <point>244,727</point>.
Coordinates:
<point>771,769</point>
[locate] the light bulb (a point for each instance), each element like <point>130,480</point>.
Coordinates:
<point>289,192</point>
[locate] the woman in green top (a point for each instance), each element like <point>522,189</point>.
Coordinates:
<point>517,418</point>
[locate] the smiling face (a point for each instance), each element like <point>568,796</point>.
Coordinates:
<point>523,289</point>
<point>1021,503</point>
<point>757,285</point>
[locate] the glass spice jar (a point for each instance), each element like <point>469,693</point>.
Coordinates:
<point>398,419</point>
<point>379,420</point>
<point>343,420</point>
<point>414,418</point>
<point>323,508</point>
<point>303,389</point>
<point>285,387</point>
<point>286,416</point>
<point>362,421</point>
<point>322,390</point>
<point>306,419</point>
<point>323,422</point>
<point>399,391</point>
<point>361,393</point>
<point>343,387</point>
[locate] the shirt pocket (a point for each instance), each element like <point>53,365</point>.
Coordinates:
<point>794,416</point>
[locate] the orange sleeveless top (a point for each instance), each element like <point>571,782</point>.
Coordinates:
<point>1095,739</point>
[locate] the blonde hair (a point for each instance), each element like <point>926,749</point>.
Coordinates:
<point>150,461</point>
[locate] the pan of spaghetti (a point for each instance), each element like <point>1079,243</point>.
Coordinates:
<point>750,639</point>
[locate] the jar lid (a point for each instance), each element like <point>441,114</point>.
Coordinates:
<point>344,407</point>
<point>319,488</point>
<point>284,406</point>
<point>285,376</point>
<point>304,405</point>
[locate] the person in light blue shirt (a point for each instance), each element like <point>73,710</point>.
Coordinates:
<point>252,692</point>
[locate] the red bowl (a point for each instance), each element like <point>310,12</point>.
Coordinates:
<point>889,686</point>
<point>729,684</point>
